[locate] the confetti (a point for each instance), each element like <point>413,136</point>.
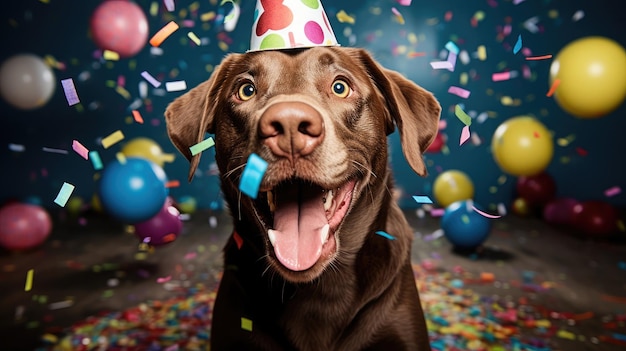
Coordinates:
<point>481,52</point>
<point>61,304</point>
<point>162,280</point>
<point>553,88</point>
<point>465,135</point>
<point>137,117</point>
<point>70,91</point>
<point>485,214</point>
<point>462,116</point>
<point>612,191</point>
<point>194,38</point>
<point>17,147</point>
<point>578,15</point>
<point>29,280</point>
<point>404,2</point>
<point>252,175</point>
<point>163,33</point>
<point>110,55</point>
<point>54,151</point>
<point>96,162</point>
<point>385,235</point>
<point>246,324</point>
<point>398,15</point>
<point>121,158</point>
<point>500,76</point>
<point>64,194</point>
<point>80,149</point>
<point>452,47</point>
<point>459,91</point>
<point>155,83</point>
<point>175,85</point>
<point>172,184</point>
<point>343,17</point>
<point>112,139</point>
<point>536,58</point>
<point>238,240</point>
<point>422,199</point>
<point>518,45</point>
<point>201,146</point>
<point>169,5</point>
<point>442,65</point>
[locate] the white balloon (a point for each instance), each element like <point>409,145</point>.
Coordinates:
<point>26,82</point>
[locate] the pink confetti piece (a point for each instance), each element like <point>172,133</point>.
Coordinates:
<point>485,214</point>
<point>498,77</point>
<point>70,91</point>
<point>80,149</point>
<point>459,91</point>
<point>612,191</point>
<point>155,83</point>
<point>190,255</point>
<point>404,2</point>
<point>465,135</point>
<point>437,212</point>
<point>162,280</point>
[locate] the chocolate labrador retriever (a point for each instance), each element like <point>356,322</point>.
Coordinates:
<point>307,267</point>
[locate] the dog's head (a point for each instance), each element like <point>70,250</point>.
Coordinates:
<point>320,118</point>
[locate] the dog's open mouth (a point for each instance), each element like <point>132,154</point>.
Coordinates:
<point>305,220</point>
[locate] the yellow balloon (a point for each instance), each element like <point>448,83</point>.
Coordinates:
<point>147,149</point>
<point>452,186</point>
<point>522,146</point>
<point>592,77</point>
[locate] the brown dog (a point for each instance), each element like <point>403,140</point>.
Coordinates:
<point>305,263</point>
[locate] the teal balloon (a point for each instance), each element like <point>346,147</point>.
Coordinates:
<point>463,226</point>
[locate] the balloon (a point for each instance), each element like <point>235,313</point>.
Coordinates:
<point>596,218</point>
<point>536,189</point>
<point>23,226</point>
<point>26,82</point>
<point>451,186</point>
<point>592,77</point>
<point>161,229</point>
<point>133,191</point>
<point>148,149</point>
<point>522,146</point>
<point>438,143</point>
<point>560,211</point>
<point>463,226</point>
<point>521,207</point>
<point>120,26</point>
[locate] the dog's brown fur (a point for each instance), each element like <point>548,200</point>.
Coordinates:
<point>363,295</point>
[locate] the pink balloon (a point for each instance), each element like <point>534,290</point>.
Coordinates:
<point>23,226</point>
<point>161,229</point>
<point>120,26</point>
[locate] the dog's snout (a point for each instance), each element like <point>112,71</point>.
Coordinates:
<point>291,129</point>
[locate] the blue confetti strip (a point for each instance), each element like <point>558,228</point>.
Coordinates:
<point>422,199</point>
<point>385,235</point>
<point>64,194</point>
<point>518,45</point>
<point>252,175</point>
<point>94,156</point>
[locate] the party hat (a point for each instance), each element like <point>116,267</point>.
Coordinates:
<point>285,24</point>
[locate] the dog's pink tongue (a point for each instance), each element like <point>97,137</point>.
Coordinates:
<point>299,222</point>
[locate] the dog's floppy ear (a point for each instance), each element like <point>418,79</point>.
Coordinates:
<point>413,109</point>
<point>191,115</point>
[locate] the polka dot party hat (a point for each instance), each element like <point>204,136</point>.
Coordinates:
<point>285,24</point>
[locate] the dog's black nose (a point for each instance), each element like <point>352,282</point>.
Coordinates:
<point>291,129</point>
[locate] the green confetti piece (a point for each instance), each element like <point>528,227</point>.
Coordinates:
<point>64,194</point>
<point>246,324</point>
<point>201,146</point>
<point>94,156</point>
<point>462,116</point>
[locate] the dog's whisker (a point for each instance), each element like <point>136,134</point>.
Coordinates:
<point>229,173</point>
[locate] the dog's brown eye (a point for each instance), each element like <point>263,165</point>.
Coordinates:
<point>341,88</point>
<point>246,91</point>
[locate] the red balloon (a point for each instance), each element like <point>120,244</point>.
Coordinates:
<point>597,218</point>
<point>119,26</point>
<point>438,143</point>
<point>560,211</point>
<point>23,226</point>
<point>161,229</point>
<point>536,189</point>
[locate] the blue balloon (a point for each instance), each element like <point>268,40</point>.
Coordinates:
<point>133,191</point>
<point>463,227</point>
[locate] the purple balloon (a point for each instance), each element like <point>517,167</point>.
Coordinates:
<point>560,211</point>
<point>161,229</point>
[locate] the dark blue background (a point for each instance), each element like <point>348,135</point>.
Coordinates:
<point>61,29</point>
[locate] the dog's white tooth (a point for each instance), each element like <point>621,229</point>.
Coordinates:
<point>324,233</point>
<point>271,234</point>
<point>328,200</point>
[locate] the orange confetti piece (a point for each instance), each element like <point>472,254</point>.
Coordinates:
<point>160,36</point>
<point>487,277</point>
<point>172,184</point>
<point>555,85</point>
<point>536,58</point>
<point>137,117</point>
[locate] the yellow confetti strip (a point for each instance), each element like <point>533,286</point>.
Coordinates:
<point>29,280</point>
<point>110,55</point>
<point>194,38</point>
<point>113,138</point>
<point>343,17</point>
<point>246,324</point>
<point>482,53</point>
<point>207,16</point>
<point>120,90</point>
<point>154,8</point>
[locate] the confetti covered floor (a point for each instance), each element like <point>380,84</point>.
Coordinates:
<point>531,287</point>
